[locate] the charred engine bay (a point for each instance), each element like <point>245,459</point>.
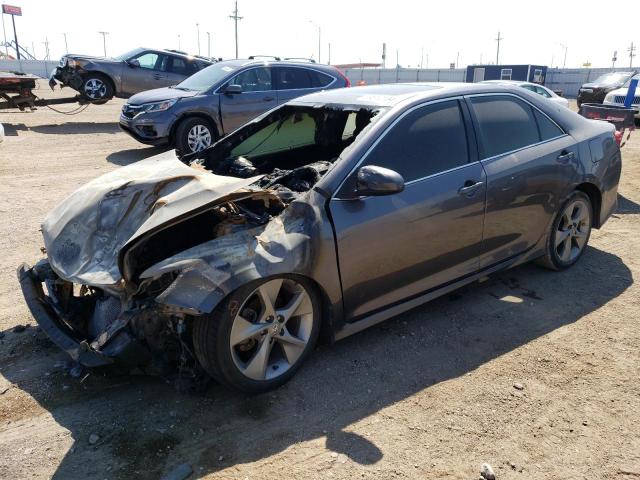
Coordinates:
<point>288,153</point>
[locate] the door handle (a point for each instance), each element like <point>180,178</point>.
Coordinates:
<point>157,76</point>
<point>268,99</point>
<point>565,157</point>
<point>469,188</point>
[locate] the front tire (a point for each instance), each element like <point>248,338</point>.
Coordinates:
<point>97,88</point>
<point>570,232</point>
<point>261,334</point>
<point>193,135</point>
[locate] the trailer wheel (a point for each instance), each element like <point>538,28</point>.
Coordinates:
<point>97,88</point>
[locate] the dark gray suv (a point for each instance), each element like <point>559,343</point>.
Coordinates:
<point>217,100</point>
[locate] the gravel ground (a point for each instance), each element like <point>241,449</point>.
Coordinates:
<point>534,372</point>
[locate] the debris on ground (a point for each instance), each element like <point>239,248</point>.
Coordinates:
<point>518,386</point>
<point>486,472</point>
<point>94,438</point>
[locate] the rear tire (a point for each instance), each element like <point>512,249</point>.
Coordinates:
<point>97,88</point>
<point>194,134</point>
<point>258,338</point>
<point>569,233</point>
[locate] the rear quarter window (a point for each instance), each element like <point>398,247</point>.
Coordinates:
<point>319,79</point>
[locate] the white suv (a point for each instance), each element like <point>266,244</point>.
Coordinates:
<point>617,97</point>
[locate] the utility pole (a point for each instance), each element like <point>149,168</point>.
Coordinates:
<point>235,18</point>
<point>457,58</point>
<point>319,43</point>
<point>329,61</point>
<point>397,58</point>
<point>33,49</point>
<point>46,48</point>
<point>198,30</point>
<point>104,41</point>
<point>66,47</point>
<point>421,57</point>
<point>498,49</point>
<point>208,44</point>
<point>179,43</point>
<point>564,62</point>
<point>631,49</point>
<point>614,58</point>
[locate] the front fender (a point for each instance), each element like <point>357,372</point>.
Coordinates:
<point>207,273</point>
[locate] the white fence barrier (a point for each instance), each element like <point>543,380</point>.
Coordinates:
<point>41,68</point>
<point>567,80</point>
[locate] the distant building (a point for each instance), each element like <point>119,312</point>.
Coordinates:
<point>524,73</point>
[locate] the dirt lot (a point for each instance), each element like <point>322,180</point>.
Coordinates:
<point>427,395</point>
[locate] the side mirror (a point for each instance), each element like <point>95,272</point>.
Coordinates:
<point>133,63</point>
<point>233,89</point>
<point>373,180</point>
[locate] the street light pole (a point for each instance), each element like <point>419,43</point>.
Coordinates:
<point>319,38</point>
<point>66,48</point>
<point>104,41</point>
<point>198,29</point>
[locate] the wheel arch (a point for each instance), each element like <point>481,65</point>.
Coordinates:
<point>186,116</point>
<point>595,196</point>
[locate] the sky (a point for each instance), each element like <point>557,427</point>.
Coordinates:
<point>536,31</point>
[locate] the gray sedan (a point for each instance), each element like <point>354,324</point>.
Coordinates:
<point>322,217</point>
<point>101,78</point>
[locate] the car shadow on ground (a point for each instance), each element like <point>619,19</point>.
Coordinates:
<point>626,206</point>
<point>126,157</point>
<point>146,428</point>
<point>69,128</point>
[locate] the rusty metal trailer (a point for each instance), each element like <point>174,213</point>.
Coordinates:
<point>16,91</point>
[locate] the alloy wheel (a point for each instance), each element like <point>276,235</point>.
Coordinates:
<point>271,329</point>
<point>573,231</point>
<point>198,138</point>
<point>95,89</point>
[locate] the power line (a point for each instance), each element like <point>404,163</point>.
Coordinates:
<point>235,18</point>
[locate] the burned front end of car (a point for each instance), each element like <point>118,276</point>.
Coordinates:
<point>135,255</point>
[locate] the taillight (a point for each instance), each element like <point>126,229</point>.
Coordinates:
<point>347,81</point>
<point>618,137</point>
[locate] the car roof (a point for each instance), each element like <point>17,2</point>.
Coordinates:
<point>388,95</point>
<point>242,62</point>
<point>178,53</point>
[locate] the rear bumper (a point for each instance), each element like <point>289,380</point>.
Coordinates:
<point>41,307</point>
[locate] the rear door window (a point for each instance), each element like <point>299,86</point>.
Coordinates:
<point>505,124</point>
<point>290,78</point>
<point>181,66</point>
<point>428,140</point>
<point>254,80</point>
